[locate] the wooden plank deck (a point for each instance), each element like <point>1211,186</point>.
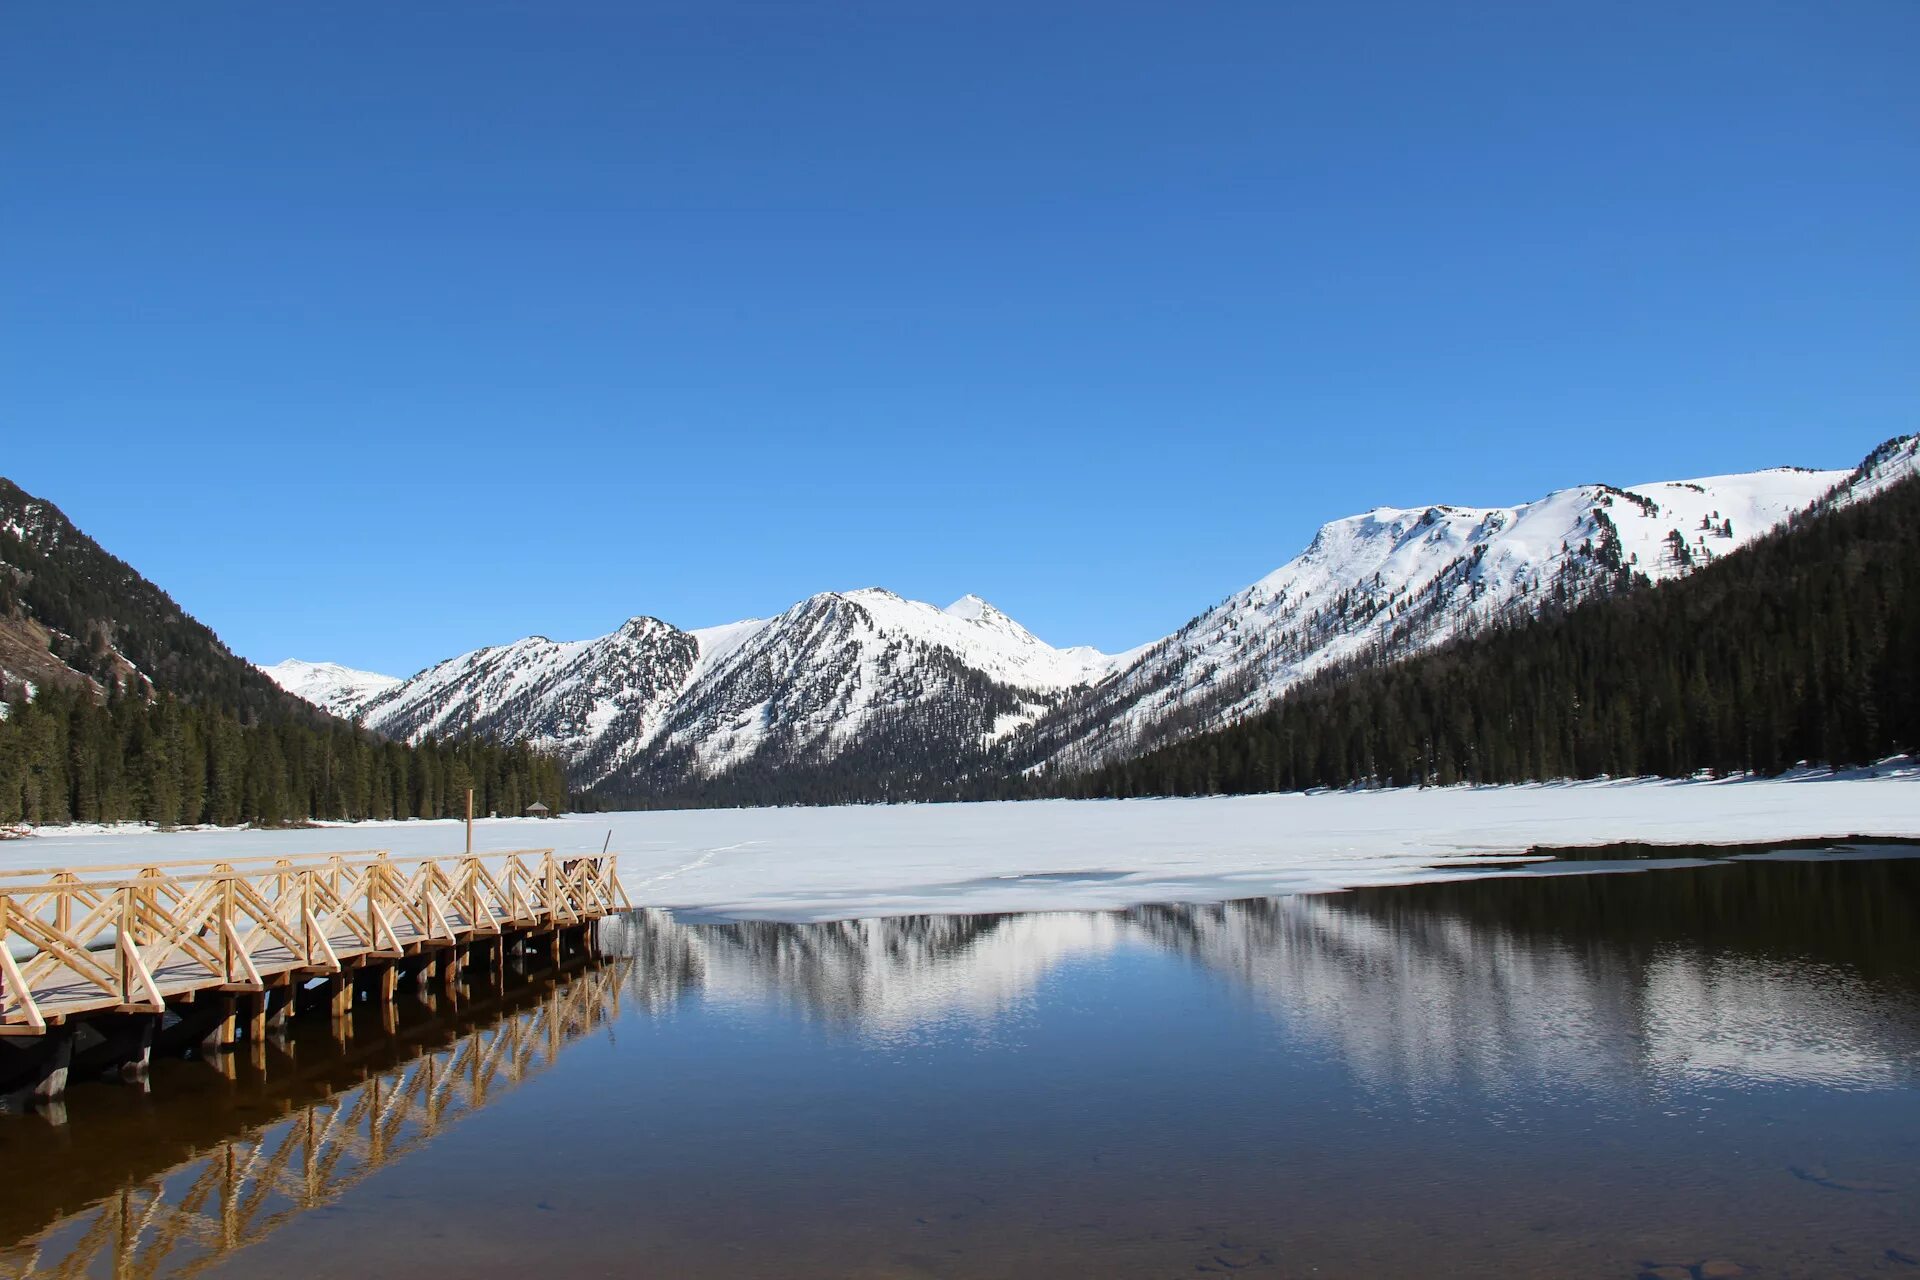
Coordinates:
<point>137,938</point>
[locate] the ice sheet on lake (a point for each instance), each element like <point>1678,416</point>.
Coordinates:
<point>883,860</point>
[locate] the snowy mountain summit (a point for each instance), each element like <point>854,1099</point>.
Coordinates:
<point>341,690</point>
<point>866,692</point>
<point>651,706</point>
<point>1394,581</point>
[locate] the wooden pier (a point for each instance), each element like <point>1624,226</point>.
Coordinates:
<point>210,952</point>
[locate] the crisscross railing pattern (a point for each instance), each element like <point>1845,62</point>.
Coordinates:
<point>127,938</point>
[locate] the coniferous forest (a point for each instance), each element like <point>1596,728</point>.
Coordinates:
<point>138,712</point>
<point>67,756</point>
<point>1802,647</point>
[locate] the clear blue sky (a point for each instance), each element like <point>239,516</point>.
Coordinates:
<point>375,332</point>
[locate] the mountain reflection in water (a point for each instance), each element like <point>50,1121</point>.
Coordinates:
<point>1787,972</point>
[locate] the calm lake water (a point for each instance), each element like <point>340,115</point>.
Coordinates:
<point>1677,1071</point>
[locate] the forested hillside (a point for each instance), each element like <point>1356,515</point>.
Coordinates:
<point>117,705</point>
<point>69,757</point>
<point>104,620</point>
<point>1804,646</point>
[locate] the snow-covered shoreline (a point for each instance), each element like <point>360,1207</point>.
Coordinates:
<point>881,860</point>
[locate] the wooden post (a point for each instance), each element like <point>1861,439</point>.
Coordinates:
<point>225,1029</point>
<point>256,1017</point>
<point>469,822</point>
<point>128,947</point>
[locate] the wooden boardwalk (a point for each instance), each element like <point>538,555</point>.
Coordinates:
<point>154,938</point>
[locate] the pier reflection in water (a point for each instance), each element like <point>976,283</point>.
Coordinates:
<point>344,1114</point>
<point>1604,1074</point>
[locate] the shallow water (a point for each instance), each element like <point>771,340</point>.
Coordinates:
<point>1699,1067</point>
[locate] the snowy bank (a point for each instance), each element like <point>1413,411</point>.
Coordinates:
<point>837,863</point>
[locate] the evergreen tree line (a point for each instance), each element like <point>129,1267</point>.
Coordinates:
<point>68,756</point>
<point>1801,647</point>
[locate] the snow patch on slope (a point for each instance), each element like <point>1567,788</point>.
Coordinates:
<point>1887,465</point>
<point>340,690</point>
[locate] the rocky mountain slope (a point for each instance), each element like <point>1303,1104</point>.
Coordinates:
<point>72,615</point>
<point>838,678</point>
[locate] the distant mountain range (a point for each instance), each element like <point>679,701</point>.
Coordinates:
<point>865,695</point>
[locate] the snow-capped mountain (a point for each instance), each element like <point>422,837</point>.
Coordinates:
<point>857,694</point>
<point>653,706</point>
<point>328,685</point>
<point>1395,581</point>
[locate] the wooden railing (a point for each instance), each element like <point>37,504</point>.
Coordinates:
<point>127,938</point>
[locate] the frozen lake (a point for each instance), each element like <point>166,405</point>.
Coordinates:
<point>817,864</point>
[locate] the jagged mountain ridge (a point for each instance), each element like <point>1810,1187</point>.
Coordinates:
<point>883,696</point>
<point>651,705</point>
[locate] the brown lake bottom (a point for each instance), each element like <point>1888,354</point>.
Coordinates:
<point>1672,1071</point>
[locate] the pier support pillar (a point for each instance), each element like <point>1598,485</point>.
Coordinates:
<point>36,1069</point>
<point>256,1017</point>
<point>225,1029</point>
<point>115,1043</point>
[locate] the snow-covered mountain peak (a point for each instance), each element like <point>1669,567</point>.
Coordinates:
<point>340,690</point>
<point>1395,580</point>
<point>643,625</point>
<point>817,677</point>
<point>972,608</point>
<point>978,612</point>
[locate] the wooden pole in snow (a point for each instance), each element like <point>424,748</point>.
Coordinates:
<point>469,821</point>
